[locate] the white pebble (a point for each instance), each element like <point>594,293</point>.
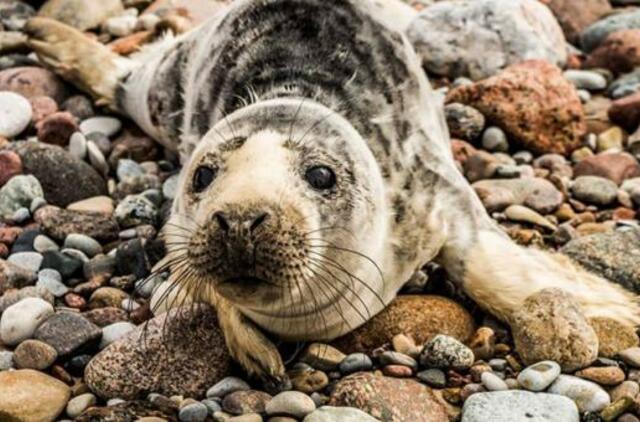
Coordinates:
<point>96,158</point>
<point>492,382</point>
<point>15,114</point>
<point>103,124</point>
<point>78,145</point>
<point>20,320</point>
<point>539,376</point>
<point>28,260</point>
<point>588,396</point>
<point>113,332</point>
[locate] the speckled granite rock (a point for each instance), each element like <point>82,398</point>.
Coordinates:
<point>389,399</point>
<point>421,317</point>
<point>58,223</point>
<point>125,412</point>
<point>182,352</point>
<point>613,255</point>
<point>550,326</point>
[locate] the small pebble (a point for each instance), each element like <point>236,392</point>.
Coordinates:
<point>290,403</point>
<point>539,376</point>
<point>355,362</point>
<point>494,139</point>
<point>194,412</point>
<point>492,382</point>
<point>227,386</point>
<point>109,126</point>
<point>79,404</point>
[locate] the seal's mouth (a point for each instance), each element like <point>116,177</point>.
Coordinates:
<point>245,281</point>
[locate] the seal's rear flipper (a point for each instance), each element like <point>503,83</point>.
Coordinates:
<point>84,62</point>
<point>499,275</point>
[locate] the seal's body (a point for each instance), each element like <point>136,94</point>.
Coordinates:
<point>318,175</point>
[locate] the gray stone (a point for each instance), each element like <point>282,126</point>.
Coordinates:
<point>87,245</point>
<point>6,360</point>
<point>515,405</point>
<point>395,358</point>
<point>18,193</point>
<point>492,382</point>
<point>30,261</point>
<point>477,38</point>
<point>21,215</point>
<point>355,362</point>
<point>113,332</point>
<point>170,186</point>
<point>44,244</point>
<point>128,168</point>
<point>433,378</point>
<point>613,255</point>
<point>494,139</point>
<point>597,32</point>
<point>78,145</point>
<point>15,296</point>
<point>194,412</point>
<point>588,396</point>
<point>68,333</point>
<point>595,190</point>
<point>227,386</point>
<point>536,193</point>
<point>464,122</point>
<point>96,158</point>
<point>51,280</point>
<point>135,210</point>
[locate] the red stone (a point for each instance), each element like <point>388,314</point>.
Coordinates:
<point>8,235</point>
<point>623,213</point>
<point>533,103</point>
<point>57,128</point>
<point>462,150</point>
<point>397,371</point>
<point>619,52</point>
<point>74,300</point>
<point>616,167</point>
<point>10,165</point>
<point>4,250</point>
<point>42,107</point>
<point>626,112</point>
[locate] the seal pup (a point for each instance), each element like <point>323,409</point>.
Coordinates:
<point>318,174</point>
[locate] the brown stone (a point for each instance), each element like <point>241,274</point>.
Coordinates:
<point>131,43</point>
<point>626,111</point>
<point>10,165</point>
<point>616,167</point>
<point>613,337</point>
<point>59,223</point>
<point>242,402</point>
<point>421,317</point>
<point>619,52</point>
<point>28,395</point>
<point>603,375</point>
<point>462,150</point>
<point>573,19</point>
<point>57,128</point>
<point>533,103</point>
<point>106,316</point>
<point>596,113</point>
<point>550,326</point>
<point>133,144</point>
<point>389,399</point>
<point>34,354</point>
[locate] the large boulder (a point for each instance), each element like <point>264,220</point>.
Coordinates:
<point>181,352</point>
<point>478,38</point>
<point>533,103</point>
<point>419,316</point>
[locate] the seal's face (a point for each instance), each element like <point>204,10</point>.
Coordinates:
<point>280,211</point>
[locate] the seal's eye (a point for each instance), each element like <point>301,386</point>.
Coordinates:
<point>321,177</point>
<point>203,178</point>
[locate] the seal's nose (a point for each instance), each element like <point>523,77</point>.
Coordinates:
<point>244,222</point>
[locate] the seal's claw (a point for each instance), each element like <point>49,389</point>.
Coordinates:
<point>277,384</point>
<point>79,59</point>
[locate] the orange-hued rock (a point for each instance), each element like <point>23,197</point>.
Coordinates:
<point>619,52</point>
<point>418,316</point>
<point>533,103</point>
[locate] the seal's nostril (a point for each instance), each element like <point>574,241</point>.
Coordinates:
<point>259,220</point>
<point>222,221</point>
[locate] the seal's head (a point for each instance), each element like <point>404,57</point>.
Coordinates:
<point>280,210</point>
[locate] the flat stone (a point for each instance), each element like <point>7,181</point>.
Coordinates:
<point>510,406</point>
<point>79,404</point>
<point>16,114</point>
<point>34,354</point>
<point>245,402</point>
<point>602,375</point>
<point>31,395</point>
<point>613,336</point>
<point>322,356</point>
<point>598,32</point>
<point>290,403</point>
<point>59,223</point>
<point>595,190</point>
<point>69,333</point>
<point>32,82</point>
<point>536,193</point>
<point>539,376</point>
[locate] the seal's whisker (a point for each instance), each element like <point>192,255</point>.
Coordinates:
<point>353,292</point>
<point>330,245</point>
<point>340,267</point>
<point>340,311</point>
<point>295,118</point>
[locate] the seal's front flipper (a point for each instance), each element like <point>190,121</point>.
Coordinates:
<point>251,348</point>
<point>84,62</point>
